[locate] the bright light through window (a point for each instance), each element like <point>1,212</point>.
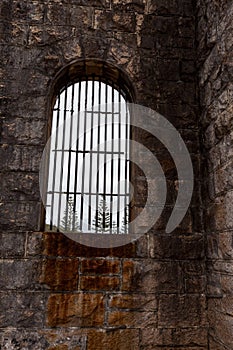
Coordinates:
<point>88,180</point>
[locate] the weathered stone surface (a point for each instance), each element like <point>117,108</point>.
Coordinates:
<point>136,6</point>
<point>181,311</point>
<point>133,301</point>
<point>133,319</point>
<point>125,339</point>
<point>194,276</point>
<point>170,7</point>
<point>75,310</point>
<point>116,21</point>
<point>174,337</point>
<point>34,244</point>
<point>222,329</point>
<point>12,244</point>
<point>44,339</point>
<point>180,247</point>
<point>24,310</point>
<point>100,283</point>
<point>100,266</point>
<point>223,178</point>
<point>20,274</point>
<point>173,348</point>
<point>226,245</point>
<point>60,274</point>
<point>21,158</point>
<point>154,42</point>
<point>57,244</point>
<point>220,214</point>
<point>19,216</point>
<point>21,186</point>
<point>151,276</point>
<point>23,339</point>
<point>72,339</point>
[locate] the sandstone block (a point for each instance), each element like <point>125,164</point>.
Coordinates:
<point>100,283</point>
<point>145,302</point>
<point>151,276</point>
<point>60,274</point>
<point>100,266</point>
<point>181,311</point>
<point>75,310</point>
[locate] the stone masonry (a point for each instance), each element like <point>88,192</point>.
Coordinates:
<point>215,43</point>
<point>164,291</point>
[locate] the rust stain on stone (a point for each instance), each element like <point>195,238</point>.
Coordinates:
<point>100,283</point>
<point>60,274</point>
<point>58,245</point>
<point>100,266</point>
<point>86,310</point>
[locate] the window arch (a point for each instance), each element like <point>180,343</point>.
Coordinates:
<point>88,168</point>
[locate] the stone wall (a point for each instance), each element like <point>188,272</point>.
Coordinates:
<point>215,28</point>
<point>58,294</point>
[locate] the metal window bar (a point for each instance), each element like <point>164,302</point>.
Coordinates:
<point>69,160</point>
<point>70,181</point>
<point>91,156</point>
<point>119,160</point>
<point>98,161</point>
<point>127,178</point>
<point>105,159</point>
<point>112,166</point>
<point>83,158</point>
<point>62,159</point>
<point>56,120</point>
<point>76,154</point>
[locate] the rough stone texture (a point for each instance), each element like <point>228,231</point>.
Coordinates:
<point>216,99</point>
<point>86,310</point>
<point>59,295</point>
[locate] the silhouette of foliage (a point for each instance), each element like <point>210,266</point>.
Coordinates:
<point>70,222</point>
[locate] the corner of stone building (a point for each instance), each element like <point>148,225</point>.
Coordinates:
<point>215,86</point>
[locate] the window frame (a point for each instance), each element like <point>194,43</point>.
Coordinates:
<point>79,71</point>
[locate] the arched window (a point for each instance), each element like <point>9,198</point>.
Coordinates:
<point>88,164</point>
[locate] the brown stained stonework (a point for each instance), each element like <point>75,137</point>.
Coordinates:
<point>177,314</point>
<point>127,339</point>
<point>61,347</point>
<point>133,319</point>
<point>99,283</point>
<point>75,310</point>
<point>181,247</point>
<point>57,244</point>
<point>188,337</point>
<point>73,339</point>
<point>100,266</point>
<point>60,274</point>
<point>151,276</point>
<point>133,301</point>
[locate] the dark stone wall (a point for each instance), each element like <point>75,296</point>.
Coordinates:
<point>55,293</point>
<point>215,26</point>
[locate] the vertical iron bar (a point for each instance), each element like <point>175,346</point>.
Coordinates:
<point>62,160</point>
<point>98,158</point>
<point>55,161</point>
<point>69,158</point>
<point>112,164</point>
<point>84,149</point>
<point>119,161</point>
<point>126,202</point>
<point>105,155</point>
<point>91,157</point>
<point>77,148</point>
